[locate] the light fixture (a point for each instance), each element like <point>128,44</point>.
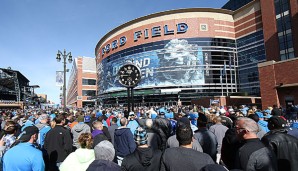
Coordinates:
<point>70,58</point>
<point>58,57</point>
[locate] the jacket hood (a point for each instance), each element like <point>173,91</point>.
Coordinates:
<point>120,131</point>
<point>104,165</point>
<point>85,155</point>
<point>144,155</point>
<point>80,127</point>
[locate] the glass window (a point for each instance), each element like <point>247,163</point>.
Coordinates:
<point>283,57</point>
<point>289,37</point>
<point>290,44</point>
<point>89,81</point>
<point>88,92</point>
<point>285,7</point>
<point>291,55</point>
<point>277,9</point>
<point>282,46</point>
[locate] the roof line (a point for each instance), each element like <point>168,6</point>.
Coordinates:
<point>223,11</point>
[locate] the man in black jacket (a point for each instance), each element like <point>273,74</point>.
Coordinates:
<point>144,157</point>
<point>253,155</point>
<point>58,143</point>
<point>284,145</point>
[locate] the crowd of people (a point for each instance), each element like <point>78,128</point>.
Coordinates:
<point>153,138</point>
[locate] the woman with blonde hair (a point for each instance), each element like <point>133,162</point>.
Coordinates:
<point>82,157</point>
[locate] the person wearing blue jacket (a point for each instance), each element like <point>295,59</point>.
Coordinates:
<point>263,124</point>
<point>124,141</point>
<point>132,123</point>
<point>24,156</point>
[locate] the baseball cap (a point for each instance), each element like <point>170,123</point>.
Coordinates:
<point>27,133</point>
<point>87,118</point>
<point>131,114</point>
<point>278,121</point>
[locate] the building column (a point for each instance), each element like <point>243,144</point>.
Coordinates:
<point>268,84</point>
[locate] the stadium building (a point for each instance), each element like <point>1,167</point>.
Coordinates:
<point>188,54</point>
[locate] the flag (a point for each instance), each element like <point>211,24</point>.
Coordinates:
<point>230,61</point>
<point>59,78</point>
<point>223,71</point>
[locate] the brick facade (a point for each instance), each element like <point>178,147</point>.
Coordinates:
<point>270,30</point>
<point>279,82</point>
<point>75,96</point>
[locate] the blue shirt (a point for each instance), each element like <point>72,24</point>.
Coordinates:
<point>132,125</point>
<point>23,157</point>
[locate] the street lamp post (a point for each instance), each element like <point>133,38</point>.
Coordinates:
<point>64,55</point>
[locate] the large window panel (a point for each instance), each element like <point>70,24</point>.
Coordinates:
<point>88,92</point>
<point>89,81</point>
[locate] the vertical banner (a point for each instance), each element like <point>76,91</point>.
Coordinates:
<point>59,78</point>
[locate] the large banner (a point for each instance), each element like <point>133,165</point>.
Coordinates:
<point>177,64</point>
<point>59,78</point>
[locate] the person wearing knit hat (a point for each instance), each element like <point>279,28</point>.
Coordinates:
<point>140,136</point>
<point>144,157</point>
<point>104,155</point>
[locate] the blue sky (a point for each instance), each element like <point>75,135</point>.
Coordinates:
<point>32,31</point>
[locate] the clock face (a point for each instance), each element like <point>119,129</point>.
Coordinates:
<point>129,75</point>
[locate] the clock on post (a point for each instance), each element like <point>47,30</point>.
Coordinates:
<point>129,75</point>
